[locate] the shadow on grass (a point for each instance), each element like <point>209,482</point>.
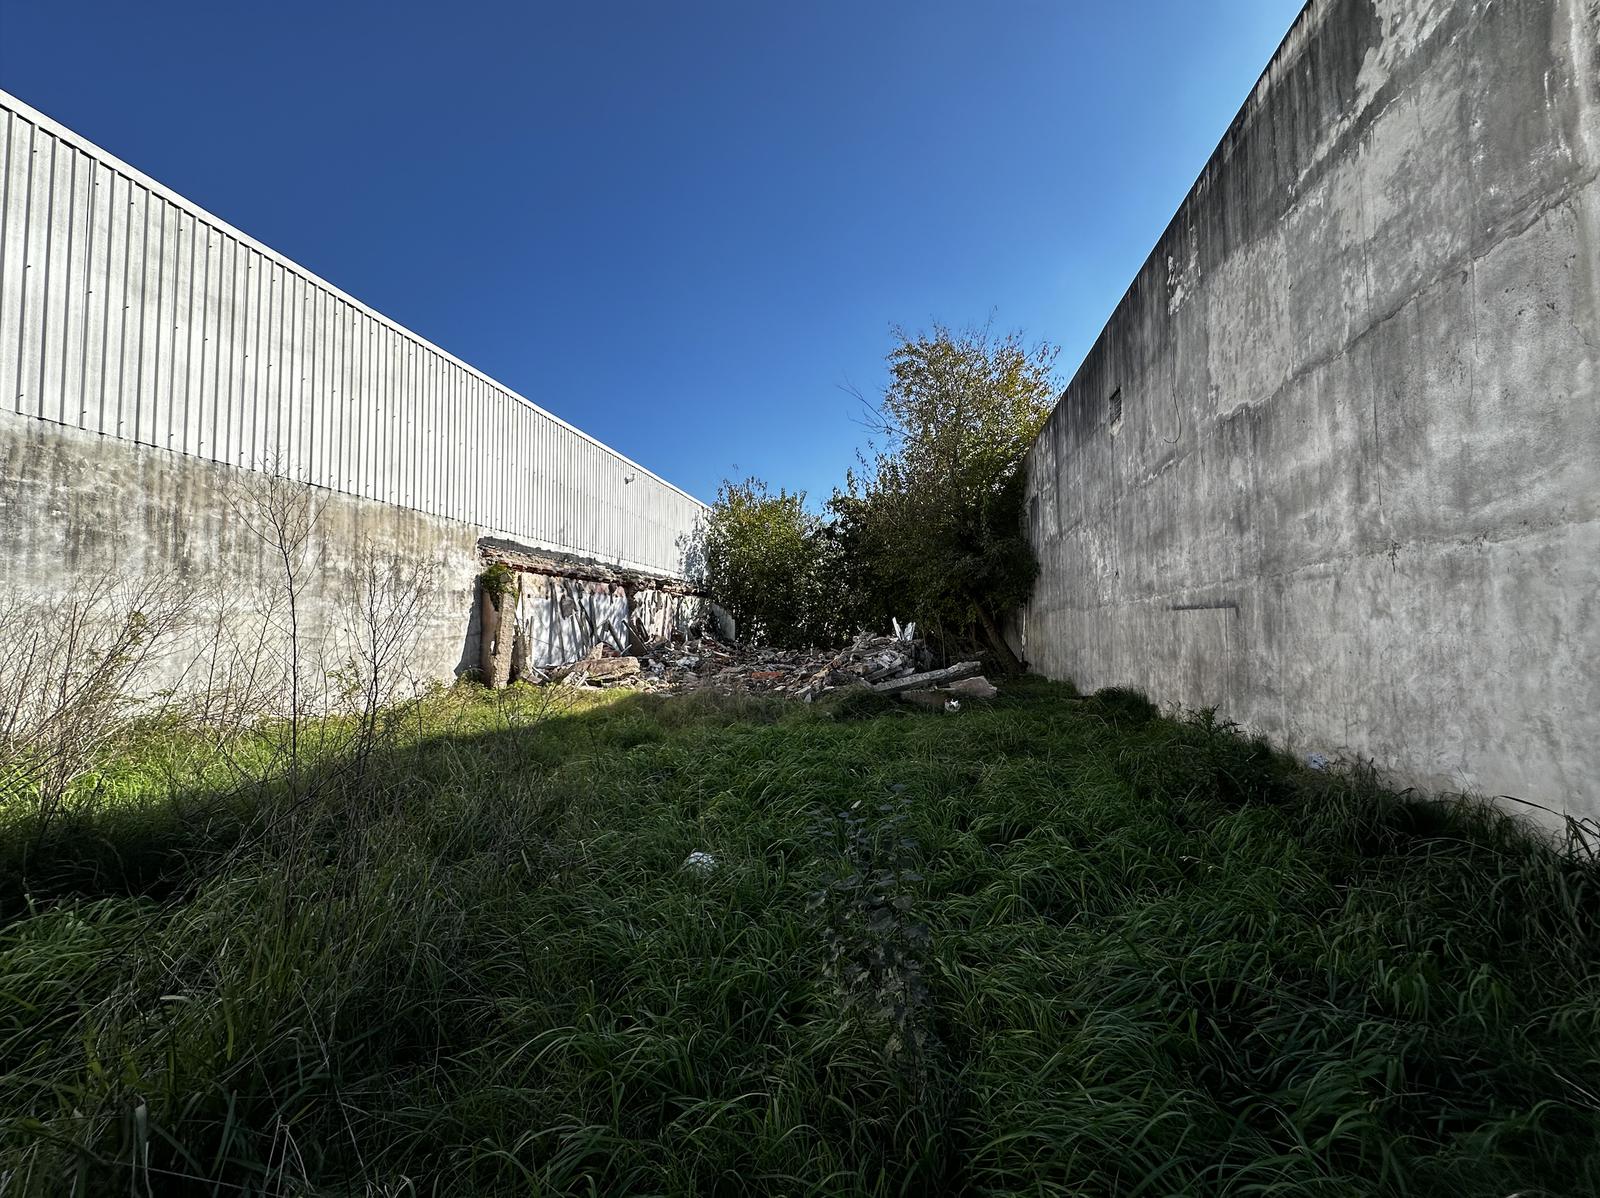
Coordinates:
<point>1052,941</point>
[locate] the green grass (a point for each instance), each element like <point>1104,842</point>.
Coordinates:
<point>1048,946</point>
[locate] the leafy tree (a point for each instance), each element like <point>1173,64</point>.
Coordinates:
<point>932,528</point>
<point>761,554</point>
<point>929,529</point>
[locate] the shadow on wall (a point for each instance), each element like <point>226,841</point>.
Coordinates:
<point>692,551</point>
<point>471,642</point>
<point>547,608</point>
<point>526,618</point>
<point>562,619</point>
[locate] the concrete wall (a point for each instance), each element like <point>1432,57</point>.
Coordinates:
<point>159,365</point>
<point>77,509</point>
<point>1333,466</point>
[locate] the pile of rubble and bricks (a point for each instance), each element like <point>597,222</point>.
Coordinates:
<point>899,665</point>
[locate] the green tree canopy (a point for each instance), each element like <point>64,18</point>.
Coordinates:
<point>761,553</point>
<point>929,528</point>
<point>933,524</point>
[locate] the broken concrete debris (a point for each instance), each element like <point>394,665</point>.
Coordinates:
<point>974,688</point>
<point>910,682</point>
<point>898,665</point>
<point>611,669</point>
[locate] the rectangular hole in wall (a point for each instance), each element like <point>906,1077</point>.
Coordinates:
<point>1114,411</point>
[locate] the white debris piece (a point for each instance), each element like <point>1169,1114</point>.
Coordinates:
<point>700,862</point>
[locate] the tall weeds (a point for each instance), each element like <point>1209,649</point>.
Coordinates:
<point>69,671</point>
<point>1063,947</point>
<point>309,927</point>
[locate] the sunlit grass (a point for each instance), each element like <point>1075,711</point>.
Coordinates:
<point>1143,957</point>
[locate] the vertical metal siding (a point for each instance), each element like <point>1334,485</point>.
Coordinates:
<point>128,312</point>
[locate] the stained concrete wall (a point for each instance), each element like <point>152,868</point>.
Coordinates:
<point>1333,466</point>
<point>77,509</point>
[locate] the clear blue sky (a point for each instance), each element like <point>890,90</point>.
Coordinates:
<point>682,226</point>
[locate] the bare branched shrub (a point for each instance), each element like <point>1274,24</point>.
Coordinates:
<point>74,672</point>
<point>389,599</point>
<point>283,513</point>
<point>232,676</point>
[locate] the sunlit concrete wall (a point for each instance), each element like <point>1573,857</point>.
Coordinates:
<point>1333,466</point>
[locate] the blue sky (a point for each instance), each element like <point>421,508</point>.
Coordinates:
<point>685,227</point>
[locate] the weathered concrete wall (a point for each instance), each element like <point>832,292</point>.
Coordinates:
<point>75,507</point>
<point>560,619</point>
<point>1333,467</point>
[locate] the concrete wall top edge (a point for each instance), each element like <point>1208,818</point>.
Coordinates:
<point>1352,27</point>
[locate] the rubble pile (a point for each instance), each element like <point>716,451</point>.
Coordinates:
<point>899,664</point>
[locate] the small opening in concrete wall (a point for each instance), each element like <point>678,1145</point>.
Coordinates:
<point>1114,411</point>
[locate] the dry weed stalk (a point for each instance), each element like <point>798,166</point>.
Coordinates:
<point>283,514</point>
<point>70,678</point>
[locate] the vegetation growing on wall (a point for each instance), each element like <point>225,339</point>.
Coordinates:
<point>497,581</point>
<point>930,526</point>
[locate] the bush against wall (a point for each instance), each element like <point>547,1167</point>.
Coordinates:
<point>764,555</point>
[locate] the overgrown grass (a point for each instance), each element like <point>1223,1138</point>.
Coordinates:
<point>1050,946</point>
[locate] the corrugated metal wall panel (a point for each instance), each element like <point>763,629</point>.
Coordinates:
<point>128,312</point>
